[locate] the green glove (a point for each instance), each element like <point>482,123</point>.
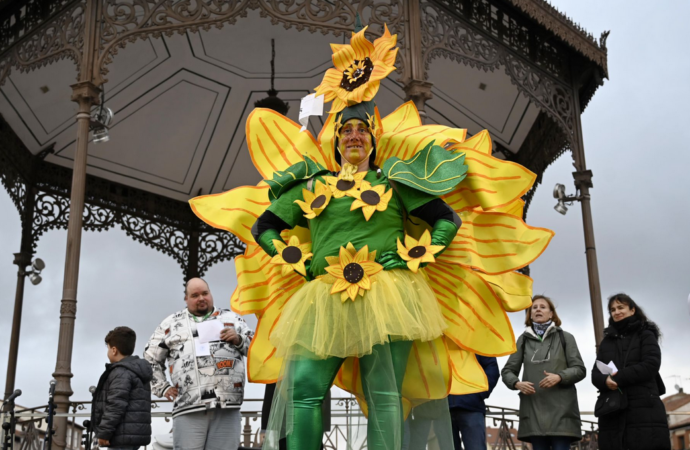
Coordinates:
<point>391,260</point>
<point>265,241</point>
<point>443,233</point>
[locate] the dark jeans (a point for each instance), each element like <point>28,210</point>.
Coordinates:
<point>471,425</point>
<point>551,443</point>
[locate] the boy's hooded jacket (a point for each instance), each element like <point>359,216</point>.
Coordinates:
<point>121,410</point>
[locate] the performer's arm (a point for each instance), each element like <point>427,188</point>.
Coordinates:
<point>267,228</point>
<point>442,218</point>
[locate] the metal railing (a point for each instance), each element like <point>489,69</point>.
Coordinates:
<point>346,430</point>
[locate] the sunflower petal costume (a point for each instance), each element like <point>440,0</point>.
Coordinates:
<point>411,267</point>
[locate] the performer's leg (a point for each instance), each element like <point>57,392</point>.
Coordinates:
<point>382,378</point>
<point>311,379</point>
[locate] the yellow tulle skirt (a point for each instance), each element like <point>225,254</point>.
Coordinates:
<point>399,306</point>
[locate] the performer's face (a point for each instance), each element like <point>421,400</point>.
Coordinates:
<point>198,297</point>
<point>355,141</point>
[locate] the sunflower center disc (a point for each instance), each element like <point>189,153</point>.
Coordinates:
<point>371,198</point>
<point>318,202</point>
<point>344,185</point>
<point>417,252</point>
<point>353,272</point>
<point>292,255</point>
<point>359,76</point>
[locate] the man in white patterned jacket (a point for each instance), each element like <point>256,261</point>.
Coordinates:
<point>207,383</point>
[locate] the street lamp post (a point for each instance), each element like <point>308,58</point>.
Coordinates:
<point>22,260</point>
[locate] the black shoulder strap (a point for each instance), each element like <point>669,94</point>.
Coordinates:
<point>562,336</point>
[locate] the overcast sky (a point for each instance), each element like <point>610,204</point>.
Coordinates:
<point>636,132</point>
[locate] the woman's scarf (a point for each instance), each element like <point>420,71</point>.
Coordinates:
<point>540,328</point>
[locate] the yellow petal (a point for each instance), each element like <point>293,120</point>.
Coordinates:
<point>406,143</point>
<point>428,375</point>
<point>496,243</point>
<point>343,296</point>
<point>371,268</point>
<point>362,47</point>
<point>410,242</point>
<point>234,211</point>
<point>362,254</point>
<point>279,245</point>
<point>343,57</point>
<point>365,282</point>
<point>428,257</point>
<point>425,240</point>
<point>403,118</point>
<point>413,264</point>
<point>352,291</point>
<point>434,249</point>
<point>336,271</point>
<point>490,183</point>
<point>305,248</point>
<point>351,248</point>
<point>402,251</point>
<point>300,268</point>
<point>275,142</point>
<point>278,259</point>
<point>308,196</point>
<point>474,314</point>
<point>357,204</point>
<point>468,375</point>
<point>286,269</point>
<point>332,260</point>
<point>368,211</point>
<point>345,257</point>
<point>293,242</point>
<point>340,285</point>
<point>514,289</point>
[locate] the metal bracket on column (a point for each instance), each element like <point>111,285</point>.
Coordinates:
<point>583,178</point>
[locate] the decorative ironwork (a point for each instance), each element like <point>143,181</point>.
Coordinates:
<point>130,20</point>
<point>509,29</point>
<point>515,31</point>
<point>60,37</point>
<point>449,35</point>
<point>161,223</point>
<point>22,17</point>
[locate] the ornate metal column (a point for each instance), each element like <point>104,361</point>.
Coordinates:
<point>22,260</point>
<point>86,94</point>
<point>583,181</point>
<point>415,86</point>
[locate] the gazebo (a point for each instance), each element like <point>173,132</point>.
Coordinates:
<point>181,77</point>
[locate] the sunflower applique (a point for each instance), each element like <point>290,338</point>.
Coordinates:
<point>371,198</point>
<point>416,252</point>
<point>292,255</point>
<point>315,202</point>
<point>351,272</point>
<point>341,188</point>
<point>359,68</point>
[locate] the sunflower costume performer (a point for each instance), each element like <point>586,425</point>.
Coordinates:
<point>380,257</point>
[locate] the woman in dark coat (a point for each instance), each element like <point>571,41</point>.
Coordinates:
<point>551,365</point>
<point>631,341</point>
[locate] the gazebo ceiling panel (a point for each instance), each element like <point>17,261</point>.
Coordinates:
<point>476,100</point>
<point>167,150</point>
<point>40,102</point>
<point>181,104</point>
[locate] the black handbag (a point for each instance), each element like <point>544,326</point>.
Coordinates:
<point>612,401</point>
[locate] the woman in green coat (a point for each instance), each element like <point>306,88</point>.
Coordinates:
<point>549,413</point>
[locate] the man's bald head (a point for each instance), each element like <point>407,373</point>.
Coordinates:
<point>198,297</point>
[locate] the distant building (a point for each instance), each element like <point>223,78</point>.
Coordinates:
<point>679,425</point>
<point>492,439</point>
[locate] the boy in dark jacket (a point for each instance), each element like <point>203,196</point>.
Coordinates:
<point>121,414</point>
<point>467,411</point>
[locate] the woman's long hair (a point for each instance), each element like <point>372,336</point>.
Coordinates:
<point>639,313</point>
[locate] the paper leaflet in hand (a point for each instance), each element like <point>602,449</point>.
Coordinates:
<point>607,369</point>
<point>311,105</point>
<point>209,331</point>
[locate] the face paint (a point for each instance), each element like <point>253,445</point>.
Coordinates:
<point>355,142</point>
